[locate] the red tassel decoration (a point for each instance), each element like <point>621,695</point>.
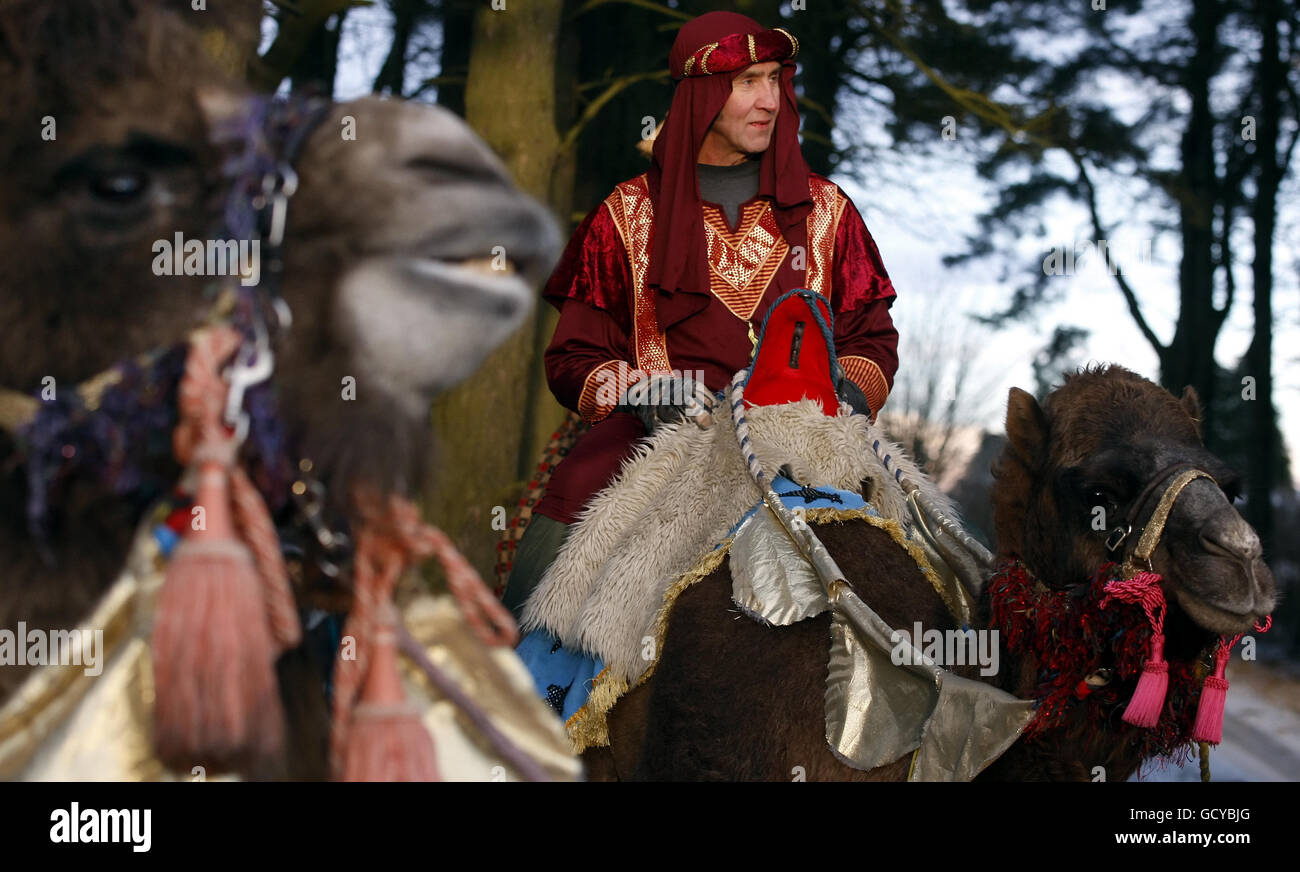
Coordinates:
<point>1153,684</point>
<point>1214,697</point>
<point>225,610</point>
<point>217,702</point>
<point>376,736</point>
<point>387,740</point>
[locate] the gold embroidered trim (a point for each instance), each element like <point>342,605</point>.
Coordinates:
<point>633,213</point>
<point>743,262</point>
<point>686,68</point>
<point>794,43</point>
<point>589,405</point>
<point>867,375</point>
<point>753,55</point>
<point>704,58</point>
<point>823,222</point>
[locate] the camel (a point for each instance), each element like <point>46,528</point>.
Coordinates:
<point>408,255</point>
<point>753,708</point>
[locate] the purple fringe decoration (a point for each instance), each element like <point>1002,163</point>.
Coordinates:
<point>114,444</point>
<point>133,425</point>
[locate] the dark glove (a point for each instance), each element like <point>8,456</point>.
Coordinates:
<point>849,392</point>
<point>665,398</point>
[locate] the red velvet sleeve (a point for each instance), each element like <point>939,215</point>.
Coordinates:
<point>594,269</point>
<point>586,362</point>
<point>866,341</point>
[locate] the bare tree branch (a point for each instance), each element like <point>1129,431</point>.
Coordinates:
<point>1134,308</point>
<point>570,138</point>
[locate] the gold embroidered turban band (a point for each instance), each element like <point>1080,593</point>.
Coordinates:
<point>737,51</point>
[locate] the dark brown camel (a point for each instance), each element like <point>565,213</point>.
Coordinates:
<point>105,115</point>
<point>753,707</point>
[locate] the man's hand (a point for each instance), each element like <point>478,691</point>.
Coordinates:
<point>849,392</point>
<point>667,398</point>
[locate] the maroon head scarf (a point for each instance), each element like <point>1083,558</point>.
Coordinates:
<point>709,52</point>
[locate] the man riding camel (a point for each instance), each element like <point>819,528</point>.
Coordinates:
<point>665,283</point>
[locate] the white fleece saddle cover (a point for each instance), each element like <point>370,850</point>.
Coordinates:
<point>680,495</point>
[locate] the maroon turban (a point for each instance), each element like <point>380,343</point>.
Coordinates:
<point>709,52</point>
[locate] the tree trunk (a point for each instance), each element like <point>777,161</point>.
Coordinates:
<point>481,428</point>
<point>1263,425</point>
<point>457,45</point>
<point>1189,359</point>
<point>318,65</point>
<point>392,75</point>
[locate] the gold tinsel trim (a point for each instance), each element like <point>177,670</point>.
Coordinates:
<point>587,727</point>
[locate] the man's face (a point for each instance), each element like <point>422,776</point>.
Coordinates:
<point>745,124</point>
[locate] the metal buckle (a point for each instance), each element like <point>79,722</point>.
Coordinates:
<point>1117,537</point>
<point>253,365</point>
<point>309,497</point>
<point>277,188</point>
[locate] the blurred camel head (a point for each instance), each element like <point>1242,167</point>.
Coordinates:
<point>409,253</point>
<point>408,256</point>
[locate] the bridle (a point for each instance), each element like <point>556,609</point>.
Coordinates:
<point>1169,483</point>
<point>261,141</point>
<point>267,136</point>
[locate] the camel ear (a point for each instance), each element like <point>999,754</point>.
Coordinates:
<point>1191,403</point>
<point>1026,427</point>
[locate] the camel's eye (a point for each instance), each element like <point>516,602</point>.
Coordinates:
<point>119,187</point>
<point>115,188</point>
<point>1099,496</point>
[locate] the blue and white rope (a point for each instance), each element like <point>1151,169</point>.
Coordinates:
<point>742,429</point>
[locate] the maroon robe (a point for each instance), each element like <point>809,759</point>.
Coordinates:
<point>609,332</point>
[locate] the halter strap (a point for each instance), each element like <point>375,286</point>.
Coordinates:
<point>1155,526</point>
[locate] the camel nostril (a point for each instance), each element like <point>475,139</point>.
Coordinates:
<point>1231,537</point>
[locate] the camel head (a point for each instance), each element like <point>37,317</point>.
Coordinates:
<point>408,253</point>
<point>1093,458</point>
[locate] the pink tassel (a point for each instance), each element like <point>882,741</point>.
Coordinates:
<point>1149,697</point>
<point>377,735</point>
<point>225,611</point>
<point>1214,697</point>
<point>1214,694</point>
<point>217,702</point>
<point>387,741</point>
<point>1153,684</point>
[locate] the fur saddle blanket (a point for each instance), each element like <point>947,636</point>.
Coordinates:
<point>679,496</point>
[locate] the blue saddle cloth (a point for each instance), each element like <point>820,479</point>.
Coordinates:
<point>563,678</point>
